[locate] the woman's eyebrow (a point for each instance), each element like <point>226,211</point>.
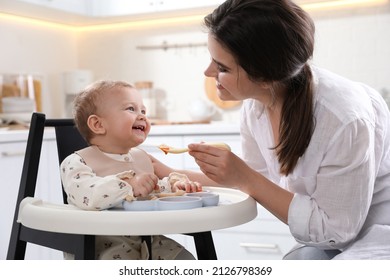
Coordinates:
<point>221,64</point>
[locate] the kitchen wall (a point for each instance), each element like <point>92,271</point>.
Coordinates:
<point>40,49</point>
<point>177,73</point>
<point>352,43</point>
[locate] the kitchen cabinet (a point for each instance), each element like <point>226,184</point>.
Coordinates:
<point>12,149</point>
<point>11,161</point>
<point>263,238</point>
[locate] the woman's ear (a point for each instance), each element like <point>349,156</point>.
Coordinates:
<point>266,85</point>
<point>95,124</point>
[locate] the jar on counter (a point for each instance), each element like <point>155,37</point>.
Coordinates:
<point>149,99</point>
<point>20,94</point>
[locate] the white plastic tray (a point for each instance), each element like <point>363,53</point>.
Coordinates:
<point>234,208</point>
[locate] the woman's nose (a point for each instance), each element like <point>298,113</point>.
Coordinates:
<point>210,71</point>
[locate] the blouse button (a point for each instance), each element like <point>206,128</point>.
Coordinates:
<point>332,242</point>
<point>126,159</point>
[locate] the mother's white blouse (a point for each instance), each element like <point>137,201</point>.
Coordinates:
<point>342,182</point>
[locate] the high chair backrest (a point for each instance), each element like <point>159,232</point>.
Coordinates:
<point>68,140</point>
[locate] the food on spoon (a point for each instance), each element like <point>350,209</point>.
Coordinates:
<point>165,148</point>
<point>168,149</point>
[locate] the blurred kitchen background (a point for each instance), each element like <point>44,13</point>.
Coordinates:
<point>50,49</point>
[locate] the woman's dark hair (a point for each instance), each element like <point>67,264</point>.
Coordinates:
<point>272,40</point>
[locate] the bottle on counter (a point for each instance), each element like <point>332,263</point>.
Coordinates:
<point>146,89</point>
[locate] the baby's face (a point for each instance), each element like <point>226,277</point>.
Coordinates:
<point>124,117</point>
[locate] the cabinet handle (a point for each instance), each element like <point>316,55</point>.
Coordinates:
<point>261,246</point>
<point>12,154</point>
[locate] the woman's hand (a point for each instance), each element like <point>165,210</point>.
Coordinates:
<point>220,165</point>
<point>143,184</point>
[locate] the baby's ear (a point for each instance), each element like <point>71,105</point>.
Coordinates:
<point>95,124</point>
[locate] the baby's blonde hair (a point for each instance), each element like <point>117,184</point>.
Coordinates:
<point>86,103</point>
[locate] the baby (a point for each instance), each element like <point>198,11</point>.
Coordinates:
<point>112,118</point>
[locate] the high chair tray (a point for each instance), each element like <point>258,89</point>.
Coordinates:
<point>234,208</point>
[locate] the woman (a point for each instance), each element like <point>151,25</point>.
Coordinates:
<point>315,145</point>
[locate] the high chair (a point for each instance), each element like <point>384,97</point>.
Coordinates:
<point>63,227</point>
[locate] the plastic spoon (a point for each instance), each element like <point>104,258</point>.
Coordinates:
<point>168,149</point>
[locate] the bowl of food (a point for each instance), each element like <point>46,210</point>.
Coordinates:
<point>208,198</point>
<point>178,203</point>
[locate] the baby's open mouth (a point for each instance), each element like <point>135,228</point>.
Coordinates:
<point>139,127</point>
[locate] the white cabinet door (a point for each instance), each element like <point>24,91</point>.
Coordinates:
<point>264,238</point>
<point>11,163</point>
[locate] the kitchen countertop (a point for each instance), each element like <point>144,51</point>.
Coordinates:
<point>217,128</point>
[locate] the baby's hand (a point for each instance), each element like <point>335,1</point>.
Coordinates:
<point>143,184</point>
<point>187,186</point>
<point>180,181</point>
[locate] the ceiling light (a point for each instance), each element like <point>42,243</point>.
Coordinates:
<point>321,5</point>
<point>38,22</point>
<point>139,24</point>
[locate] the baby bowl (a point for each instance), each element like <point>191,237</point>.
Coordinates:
<point>208,198</point>
<point>178,203</point>
<point>140,205</point>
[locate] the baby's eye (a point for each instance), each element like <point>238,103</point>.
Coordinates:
<point>143,112</point>
<point>131,108</point>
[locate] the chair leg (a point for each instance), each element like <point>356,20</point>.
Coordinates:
<point>17,247</point>
<point>204,245</point>
<point>86,248</point>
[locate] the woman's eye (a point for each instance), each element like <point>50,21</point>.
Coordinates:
<point>221,68</point>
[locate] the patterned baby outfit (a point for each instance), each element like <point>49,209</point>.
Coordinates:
<point>93,181</point>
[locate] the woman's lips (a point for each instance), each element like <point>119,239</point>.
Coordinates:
<point>219,86</point>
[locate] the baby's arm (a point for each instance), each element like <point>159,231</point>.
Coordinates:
<point>90,192</point>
